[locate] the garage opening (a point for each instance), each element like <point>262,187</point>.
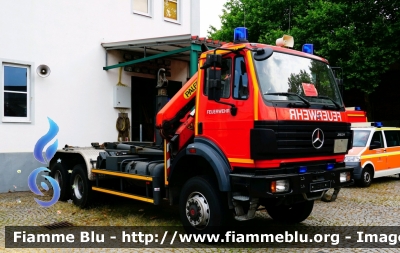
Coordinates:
<point>143,110</point>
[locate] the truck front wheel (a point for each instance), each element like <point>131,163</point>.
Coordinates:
<point>80,186</point>
<point>59,172</point>
<point>201,207</point>
<point>293,213</point>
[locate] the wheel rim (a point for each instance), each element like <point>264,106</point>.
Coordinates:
<point>58,178</point>
<point>197,210</point>
<point>367,177</point>
<point>78,186</point>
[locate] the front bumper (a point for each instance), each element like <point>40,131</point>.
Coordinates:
<point>310,184</point>
<point>357,169</point>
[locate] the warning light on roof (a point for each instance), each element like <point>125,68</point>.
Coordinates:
<point>378,124</point>
<point>308,48</point>
<point>240,34</point>
<point>357,108</point>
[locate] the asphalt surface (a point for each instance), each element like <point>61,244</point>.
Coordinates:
<point>377,205</point>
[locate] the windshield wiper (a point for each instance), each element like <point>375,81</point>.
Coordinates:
<point>290,94</point>
<point>330,99</point>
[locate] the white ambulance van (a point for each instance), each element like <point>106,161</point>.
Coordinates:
<point>375,152</point>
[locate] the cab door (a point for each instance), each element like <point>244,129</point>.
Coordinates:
<point>376,154</point>
<point>229,131</point>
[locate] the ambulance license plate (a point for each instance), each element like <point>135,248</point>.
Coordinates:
<point>320,186</point>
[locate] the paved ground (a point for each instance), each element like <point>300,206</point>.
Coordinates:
<point>374,206</point>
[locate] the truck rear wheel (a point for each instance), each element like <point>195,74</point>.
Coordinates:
<point>366,178</point>
<point>293,213</point>
<point>59,172</point>
<point>200,206</point>
<point>81,189</point>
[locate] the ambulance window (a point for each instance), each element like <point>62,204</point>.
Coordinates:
<point>392,138</point>
<point>360,138</point>
<point>240,84</point>
<point>226,74</point>
<point>377,140</point>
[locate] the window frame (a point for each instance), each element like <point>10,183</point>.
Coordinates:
<point>381,139</point>
<point>29,90</point>
<point>238,97</point>
<point>178,12</point>
<point>225,85</point>
<point>393,142</point>
<point>149,12</point>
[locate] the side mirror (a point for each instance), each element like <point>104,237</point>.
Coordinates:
<point>212,60</point>
<point>243,67</point>
<point>263,54</point>
<point>214,83</point>
<point>375,145</point>
<point>213,67</point>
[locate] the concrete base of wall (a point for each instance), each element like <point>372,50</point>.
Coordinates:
<point>15,169</point>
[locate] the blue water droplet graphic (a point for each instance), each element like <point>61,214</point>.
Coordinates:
<point>44,186</point>
<point>44,140</point>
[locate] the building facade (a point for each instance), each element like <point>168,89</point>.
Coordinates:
<point>52,59</point>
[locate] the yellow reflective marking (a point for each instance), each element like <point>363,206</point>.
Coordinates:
<point>240,160</point>
<point>355,115</point>
<point>255,85</point>
<point>381,154</point>
<point>165,162</point>
<point>223,51</point>
<point>196,115</point>
<point>122,174</point>
<point>126,195</point>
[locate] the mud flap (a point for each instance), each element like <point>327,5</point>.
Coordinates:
<point>333,197</point>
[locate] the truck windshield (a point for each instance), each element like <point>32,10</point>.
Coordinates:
<point>308,78</point>
<point>360,138</point>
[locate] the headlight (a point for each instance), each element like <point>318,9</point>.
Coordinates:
<point>279,186</point>
<point>352,159</point>
<point>345,176</point>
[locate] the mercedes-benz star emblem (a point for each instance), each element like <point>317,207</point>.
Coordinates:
<point>317,138</point>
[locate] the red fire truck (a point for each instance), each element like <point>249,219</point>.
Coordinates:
<point>258,125</point>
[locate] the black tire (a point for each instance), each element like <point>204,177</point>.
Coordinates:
<point>294,213</point>
<point>366,177</point>
<point>201,207</point>
<point>81,187</point>
<point>59,172</point>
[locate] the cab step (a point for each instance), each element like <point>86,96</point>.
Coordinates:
<point>241,198</point>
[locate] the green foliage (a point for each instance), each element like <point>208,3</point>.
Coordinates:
<point>361,36</point>
<point>295,82</point>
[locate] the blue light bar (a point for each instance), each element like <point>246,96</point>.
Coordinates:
<point>302,169</point>
<point>308,48</point>
<point>357,108</point>
<point>378,124</point>
<point>330,166</point>
<point>240,34</point>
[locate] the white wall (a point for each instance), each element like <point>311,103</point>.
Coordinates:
<point>66,35</point>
